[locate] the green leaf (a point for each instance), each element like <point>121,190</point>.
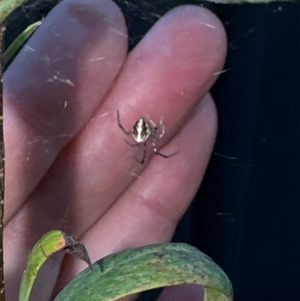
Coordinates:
<point>50,243</point>
<point>2,173</point>
<point>18,42</point>
<point>136,270</point>
<point>7,6</point>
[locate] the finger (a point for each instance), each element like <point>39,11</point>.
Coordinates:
<point>97,167</point>
<point>86,172</point>
<point>54,86</point>
<point>150,209</point>
<point>152,206</point>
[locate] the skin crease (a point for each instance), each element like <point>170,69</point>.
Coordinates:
<point>66,152</point>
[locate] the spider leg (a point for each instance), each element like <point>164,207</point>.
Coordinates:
<point>164,155</point>
<point>151,121</point>
<point>162,127</point>
<point>121,126</point>
<point>144,155</point>
<point>161,154</point>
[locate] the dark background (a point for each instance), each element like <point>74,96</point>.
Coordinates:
<point>246,216</point>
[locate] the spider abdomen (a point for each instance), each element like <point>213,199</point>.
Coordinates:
<point>141,131</point>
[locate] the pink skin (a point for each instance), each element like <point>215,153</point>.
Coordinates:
<point>68,166</point>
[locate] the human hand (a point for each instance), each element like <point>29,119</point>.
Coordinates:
<point>67,164</point>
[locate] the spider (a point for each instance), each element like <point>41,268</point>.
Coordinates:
<point>143,130</point>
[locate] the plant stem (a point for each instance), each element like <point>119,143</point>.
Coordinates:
<point>2,293</point>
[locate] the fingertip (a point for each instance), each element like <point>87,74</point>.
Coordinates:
<point>55,85</point>
<point>196,29</point>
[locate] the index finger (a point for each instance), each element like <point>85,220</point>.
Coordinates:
<point>55,85</point>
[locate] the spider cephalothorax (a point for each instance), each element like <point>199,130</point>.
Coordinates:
<point>143,130</point>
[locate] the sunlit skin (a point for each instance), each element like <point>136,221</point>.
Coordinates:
<point>67,166</point>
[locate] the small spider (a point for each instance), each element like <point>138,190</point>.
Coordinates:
<point>142,130</point>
